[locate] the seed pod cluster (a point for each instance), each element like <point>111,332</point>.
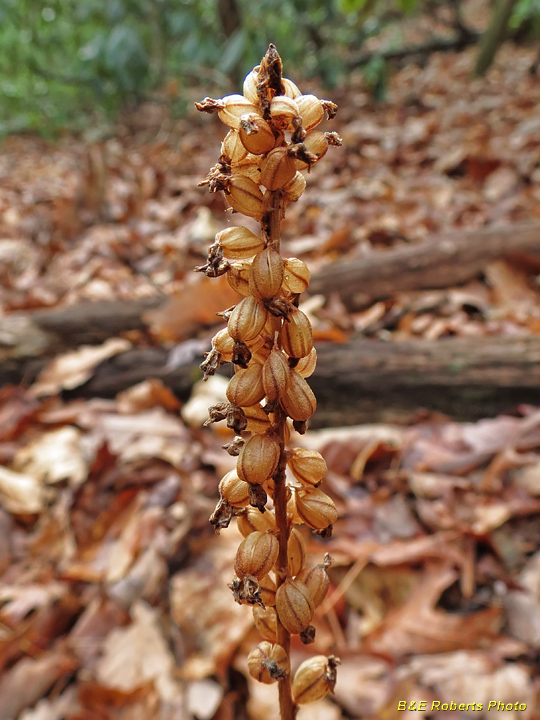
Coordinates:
<point>272,139</point>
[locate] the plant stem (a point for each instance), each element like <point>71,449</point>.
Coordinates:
<point>271,226</point>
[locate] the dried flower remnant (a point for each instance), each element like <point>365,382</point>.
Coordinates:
<point>272,140</point>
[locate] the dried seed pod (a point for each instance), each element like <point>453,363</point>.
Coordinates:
<point>317,144</point>
<point>268,662</point>
<point>314,679</point>
<point>296,552</point>
<point>294,606</point>
<point>250,85</point>
<point>239,243</point>
<point>276,373</point>
<point>232,147</point>
<point>258,459</point>
<point>295,187</point>
<point>310,110</point>
<point>256,554</point>
<point>306,365</point>
<point>317,582</point>
<point>291,90</point>
<point>296,334</point>
<point>234,106</point>
<point>267,589</point>
<point>257,420</point>
<point>251,519</point>
<point>266,273</point>
<point>296,275</point>
<point>249,167</point>
<point>234,490</point>
<point>315,508</point>
<point>308,466</point>
<point>266,622</point>
<point>256,134</point>
<point>246,386</point>
<point>224,344</point>
<point>245,196</point>
<point>238,276</point>
<point>282,111</point>
<point>247,320</point>
<point>277,169</point>
<point>298,400</point>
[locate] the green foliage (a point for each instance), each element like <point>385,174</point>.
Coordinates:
<point>527,12</point>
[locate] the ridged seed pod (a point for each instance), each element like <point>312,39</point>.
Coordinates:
<point>239,243</point>
<point>291,90</point>
<point>268,662</point>
<point>235,107</point>
<point>283,110</point>
<point>246,387</point>
<point>295,187</point>
<point>314,679</point>
<point>298,400</point>
<point>267,589</point>
<point>296,552</point>
<point>265,621</point>
<point>311,111</point>
<point>317,582</point>
<point>258,421</point>
<point>308,466</point>
<point>294,606</point>
<point>245,196</point>
<point>266,273</point>
<point>277,169</point>
<point>249,167</point>
<point>232,147</point>
<point>224,344</point>
<point>306,365</point>
<point>258,459</point>
<point>316,143</point>
<point>256,134</point>
<point>315,508</point>
<point>297,335</point>
<point>233,490</point>
<point>250,86</point>
<point>247,319</point>
<point>256,555</point>
<point>238,277</point>
<point>251,519</point>
<point>296,276</point>
<point>276,373</point>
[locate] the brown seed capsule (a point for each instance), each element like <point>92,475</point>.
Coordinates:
<point>266,273</point>
<point>296,276</point>
<point>250,85</point>
<point>224,344</point>
<point>249,167</point>
<point>282,111</point>
<point>295,187</point>
<point>306,365</point>
<point>311,111</point>
<point>246,386</point>
<point>251,519</point>
<point>267,589</point>
<point>277,169</point>
<point>291,90</point>
<point>296,552</point>
<point>296,335</point>
<point>315,508</point>
<point>238,277</point>
<point>247,320</point>
<point>308,466</point>
<point>298,400</point>
<point>266,622</point>
<point>256,554</point>
<point>233,490</point>
<point>245,196</point>
<point>256,134</point>
<point>232,147</point>
<point>234,107</point>
<point>314,679</point>
<point>316,143</point>
<point>257,420</point>
<point>258,459</point>
<point>268,662</point>
<point>276,373</point>
<point>317,582</point>
<point>239,243</point>
<point>294,606</point>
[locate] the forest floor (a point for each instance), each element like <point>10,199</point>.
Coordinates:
<point>113,587</point>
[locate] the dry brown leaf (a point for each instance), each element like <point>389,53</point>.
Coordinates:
<point>56,456</point>
<point>20,494</point>
<point>146,395</point>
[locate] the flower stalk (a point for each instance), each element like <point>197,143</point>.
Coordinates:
<point>272,141</point>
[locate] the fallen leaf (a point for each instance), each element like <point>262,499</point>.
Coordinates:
<point>56,456</point>
<point>20,494</point>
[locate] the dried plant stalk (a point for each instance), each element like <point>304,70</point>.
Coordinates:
<point>271,141</point>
